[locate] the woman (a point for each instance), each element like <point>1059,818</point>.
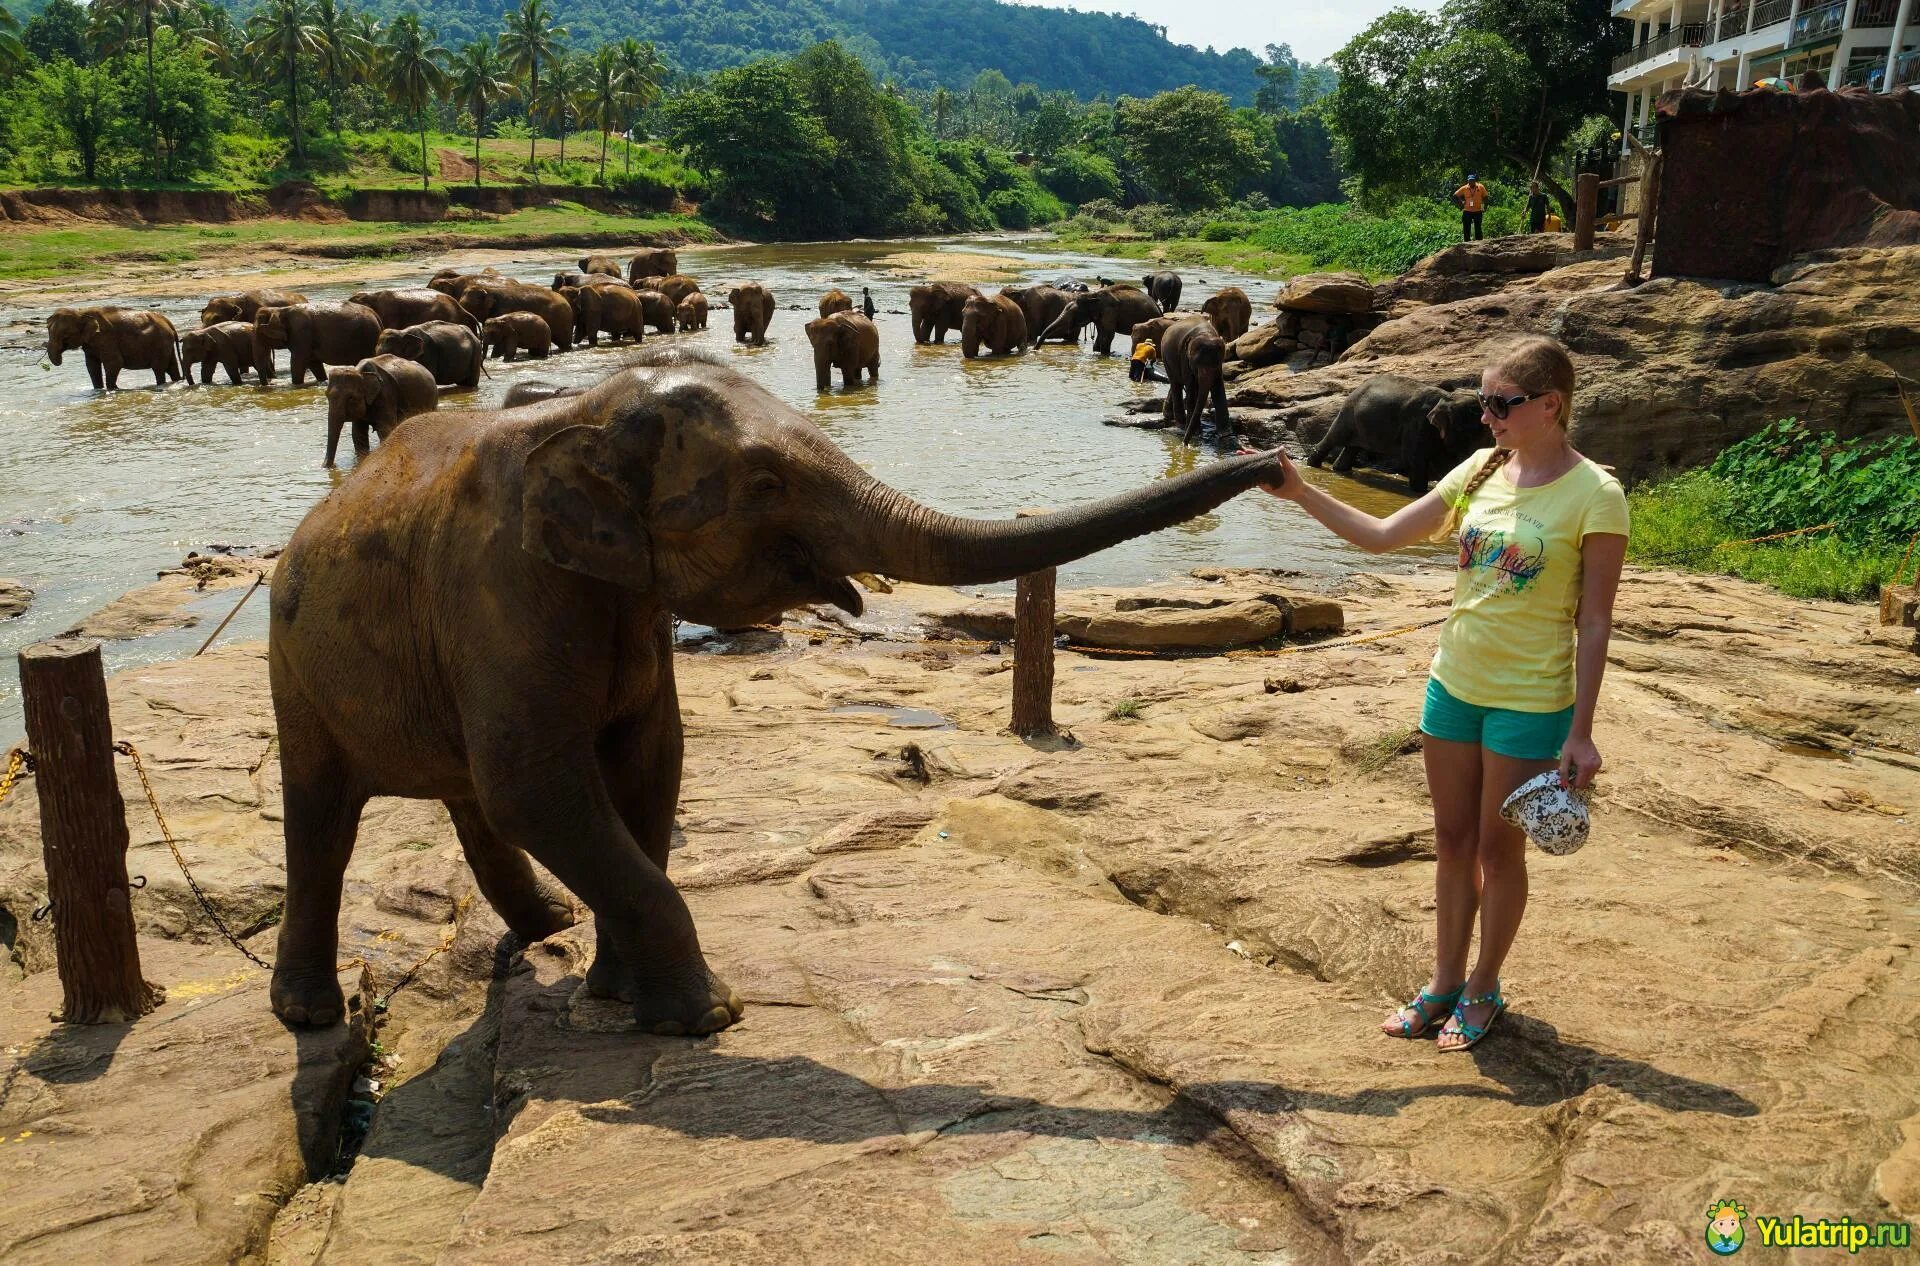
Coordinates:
<point>1542,533</point>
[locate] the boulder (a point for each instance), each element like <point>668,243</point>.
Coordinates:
<point>1468,269</point>
<point>1900,605</point>
<point>1347,294</point>
<point>1160,620</point>
<point>1262,345</point>
<point>15,598</point>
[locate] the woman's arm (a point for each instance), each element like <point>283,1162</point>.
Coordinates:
<point>1601,557</point>
<point>1406,526</point>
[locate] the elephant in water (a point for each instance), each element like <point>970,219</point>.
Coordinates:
<point>1193,354</point>
<point>228,344</point>
<point>453,354</point>
<point>1109,310</point>
<point>315,335</point>
<point>996,326</point>
<point>691,313</point>
<point>507,333</point>
<point>600,264</point>
<point>380,392</point>
<point>752,305</point>
<point>1430,429</point>
<point>415,305</point>
<point>1230,311</point>
<point>835,300</point>
<point>1165,289</point>
<point>577,529</point>
<point>1042,304</point>
<point>936,307</point>
<point>845,341</point>
<point>652,261</point>
<point>246,305</point>
<point>113,339</point>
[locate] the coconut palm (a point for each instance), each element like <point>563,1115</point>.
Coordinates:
<point>479,80</point>
<point>12,51</point>
<point>349,55</point>
<point>413,71</point>
<point>211,31</point>
<point>641,70</point>
<point>605,97</point>
<point>531,41</point>
<point>280,33</point>
<point>566,86</point>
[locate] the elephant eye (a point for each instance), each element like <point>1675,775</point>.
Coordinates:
<point>764,485</point>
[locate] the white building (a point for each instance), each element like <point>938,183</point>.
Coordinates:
<point>1731,43</point>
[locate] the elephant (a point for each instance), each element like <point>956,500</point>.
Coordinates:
<point>1165,289</point>
<point>600,264</point>
<point>453,354</point>
<point>1040,305</point>
<point>1230,311</point>
<point>583,526</point>
<point>1109,310</point>
<point>113,339</point>
<point>451,281</point>
<point>691,313</point>
<point>846,341</point>
<point>1431,430</point>
<point>1153,331</point>
<point>653,261</point>
<point>562,280</point>
<point>835,300</point>
<point>506,334</point>
<point>244,306</point>
<point>416,305</point>
<point>673,286</point>
<point>315,335</point>
<point>534,392</point>
<point>658,310</point>
<point>752,305</point>
<point>1193,354</point>
<point>487,297</point>
<point>380,392</point>
<point>936,307</point>
<point>228,344</point>
<point>613,310</point>
<point>997,324</point>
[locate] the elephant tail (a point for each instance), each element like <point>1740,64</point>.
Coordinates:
<point>179,357</point>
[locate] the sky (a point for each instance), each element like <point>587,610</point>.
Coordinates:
<point>1315,28</point>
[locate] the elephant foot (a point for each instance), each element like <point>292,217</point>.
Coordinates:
<point>307,998</point>
<point>689,1004</point>
<point>535,913</point>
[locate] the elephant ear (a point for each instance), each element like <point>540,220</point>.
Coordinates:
<point>575,514</point>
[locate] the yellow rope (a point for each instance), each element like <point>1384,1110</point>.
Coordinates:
<point>17,761</point>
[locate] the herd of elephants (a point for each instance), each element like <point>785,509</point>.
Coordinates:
<point>482,612</point>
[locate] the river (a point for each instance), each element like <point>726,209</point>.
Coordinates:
<point>98,491</point>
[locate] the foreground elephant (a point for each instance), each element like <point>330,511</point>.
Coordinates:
<point>1193,354</point>
<point>600,264</point>
<point>752,305</point>
<point>691,312</point>
<point>489,297</point>
<point>652,261</point>
<point>1165,289</point>
<point>611,310</point>
<point>315,335</point>
<point>936,307</point>
<point>245,305</point>
<point>846,341</point>
<point>506,334</point>
<point>113,339</point>
<point>835,300</point>
<point>996,324</point>
<point>579,528</point>
<point>415,305</point>
<point>1430,430</point>
<point>1109,310</point>
<point>1042,305</point>
<point>1230,311</point>
<point>451,353</point>
<point>228,344</point>
<point>380,392</point>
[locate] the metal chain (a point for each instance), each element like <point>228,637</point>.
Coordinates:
<point>19,761</point>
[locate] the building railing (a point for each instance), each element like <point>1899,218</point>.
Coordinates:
<point>1818,23</point>
<point>1906,70</point>
<point>1870,75</point>
<point>1733,22</point>
<point>1767,12</point>
<point>1871,13</point>
<point>1689,35</point>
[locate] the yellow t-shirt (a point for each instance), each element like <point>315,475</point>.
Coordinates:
<point>1146,350</point>
<point>1509,641</point>
<point>1473,197</point>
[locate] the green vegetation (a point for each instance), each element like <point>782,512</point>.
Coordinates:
<point>1783,479</point>
<point>1126,710</point>
<point>1369,756</point>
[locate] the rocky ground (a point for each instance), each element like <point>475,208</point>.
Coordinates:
<point>1106,999</point>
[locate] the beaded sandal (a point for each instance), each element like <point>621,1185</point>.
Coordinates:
<point>1474,1032</point>
<point>1443,1004</point>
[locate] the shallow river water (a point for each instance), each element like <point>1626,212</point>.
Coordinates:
<point>100,490</point>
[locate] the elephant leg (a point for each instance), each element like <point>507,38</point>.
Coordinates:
<point>362,442</point>
<point>1220,415</point>
<point>533,908</point>
<point>110,372</point>
<point>1344,462</point>
<point>93,368</point>
<point>322,817</point>
<point>1333,440</point>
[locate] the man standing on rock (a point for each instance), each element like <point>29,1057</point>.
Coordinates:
<point>1471,198</point>
<point>1536,209</point>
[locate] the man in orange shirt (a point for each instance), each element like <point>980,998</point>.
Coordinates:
<point>1471,198</point>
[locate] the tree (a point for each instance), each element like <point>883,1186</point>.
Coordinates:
<point>112,21</point>
<point>78,103</point>
<point>479,80</point>
<point>750,127</point>
<point>641,73</point>
<point>60,30</point>
<point>413,72</point>
<point>530,41</point>
<point>942,112</point>
<point>605,96</point>
<point>210,31</point>
<point>566,84</point>
<point>1191,145</point>
<point>349,52</point>
<point>280,34</point>
<point>190,108</point>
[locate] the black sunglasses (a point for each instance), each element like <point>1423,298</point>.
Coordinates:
<point>1500,406</point>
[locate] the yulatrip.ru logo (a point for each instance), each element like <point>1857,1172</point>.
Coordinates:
<point>1726,1232</point>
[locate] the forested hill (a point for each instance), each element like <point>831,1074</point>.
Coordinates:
<point>919,43</point>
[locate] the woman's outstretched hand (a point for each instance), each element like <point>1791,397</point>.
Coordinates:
<point>1287,484</point>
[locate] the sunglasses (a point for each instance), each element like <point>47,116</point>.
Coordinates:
<point>1501,406</point>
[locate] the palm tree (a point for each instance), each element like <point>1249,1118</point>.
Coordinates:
<point>606,96</point>
<point>566,86</point>
<point>641,72</point>
<point>110,25</point>
<point>349,53</point>
<point>530,41</point>
<point>12,51</point>
<point>942,112</point>
<point>413,71</point>
<point>280,33</point>
<point>210,30</point>
<point>479,80</point>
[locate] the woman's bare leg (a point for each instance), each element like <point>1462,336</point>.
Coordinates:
<point>1453,781</point>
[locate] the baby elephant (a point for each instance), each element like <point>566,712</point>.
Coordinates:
<point>451,353</point>
<point>845,341</point>
<point>510,331</point>
<point>228,344</point>
<point>1431,430</point>
<point>380,392</point>
<point>692,312</point>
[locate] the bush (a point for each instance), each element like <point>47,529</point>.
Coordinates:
<point>1226,231</point>
<point>1101,211</point>
<point>1008,210</point>
<point>1076,176</point>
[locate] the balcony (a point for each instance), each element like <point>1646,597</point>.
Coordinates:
<point>1906,70</point>
<point>1733,22</point>
<point>1872,13</point>
<point>1690,35</point>
<point>1767,12</point>
<point>1813,25</point>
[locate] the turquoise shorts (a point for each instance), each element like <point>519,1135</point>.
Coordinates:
<point>1521,735</point>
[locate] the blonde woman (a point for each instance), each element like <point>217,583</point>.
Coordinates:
<point>1542,533</point>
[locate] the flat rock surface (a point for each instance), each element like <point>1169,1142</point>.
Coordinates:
<point>15,598</point>
<point>1115,998</point>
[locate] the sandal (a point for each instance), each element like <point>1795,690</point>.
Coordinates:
<point>1443,1004</point>
<point>1473,1032</point>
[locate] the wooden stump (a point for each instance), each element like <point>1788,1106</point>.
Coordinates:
<point>1900,605</point>
<point>1033,651</point>
<point>83,833</point>
<point>1586,203</point>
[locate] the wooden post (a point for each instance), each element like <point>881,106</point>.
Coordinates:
<point>83,833</point>
<point>1586,203</point>
<point>1033,650</point>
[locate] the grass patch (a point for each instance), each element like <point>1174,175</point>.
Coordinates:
<point>1370,756</point>
<point>1126,710</point>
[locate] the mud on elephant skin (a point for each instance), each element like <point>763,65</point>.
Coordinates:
<point>315,335</point>
<point>112,339</point>
<point>992,326</point>
<point>380,393</point>
<point>673,487</point>
<point>453,354</point>
<point>846,341</point>
<point>936,307</point>
<point>227,344</point>
<point>752,305</point>
<point>1427,430</point>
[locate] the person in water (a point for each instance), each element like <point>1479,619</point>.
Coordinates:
<point>1541,534</point>
<point>866,303</point>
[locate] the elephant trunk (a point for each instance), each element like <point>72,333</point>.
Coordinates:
<point>822,366</point>
<point>970,335</point>
<point>896,536</point>
<point>336,419</point>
